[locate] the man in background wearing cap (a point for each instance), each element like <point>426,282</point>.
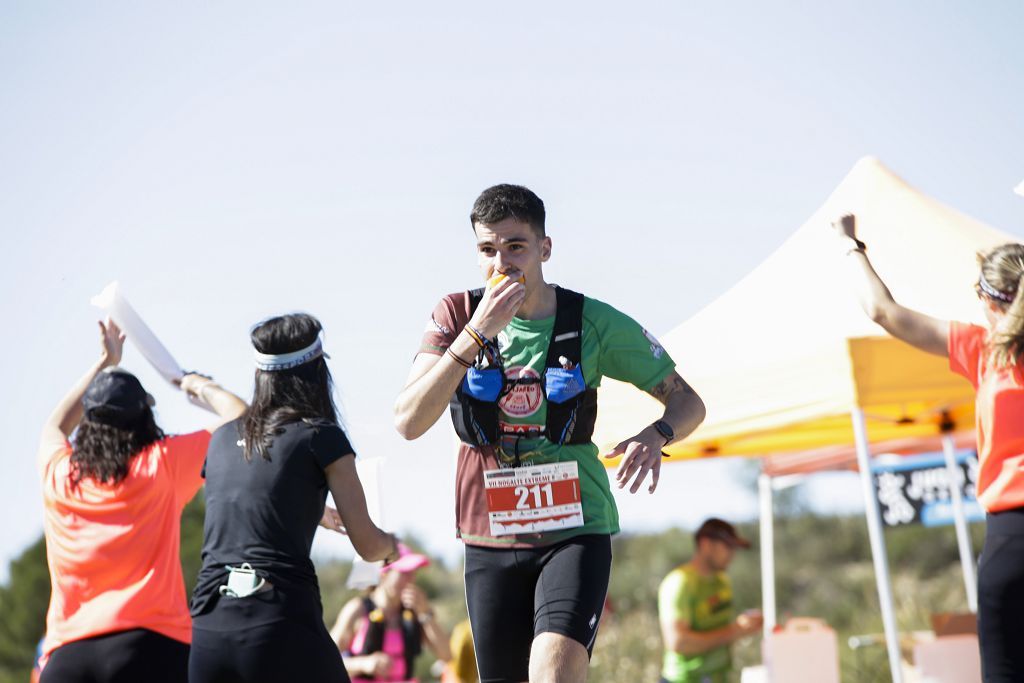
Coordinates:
<point>696,612</point>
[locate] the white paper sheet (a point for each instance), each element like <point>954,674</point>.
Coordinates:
<point>363,574</point>
<point>371,471</point>
<point>117,308</point>
<point>142,338</point>
<point>1020,189</point>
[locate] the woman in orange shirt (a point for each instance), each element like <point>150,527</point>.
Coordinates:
<point>992,359</point>
<point>113,499</point>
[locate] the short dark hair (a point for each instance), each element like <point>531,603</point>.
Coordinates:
<point>497,203</point>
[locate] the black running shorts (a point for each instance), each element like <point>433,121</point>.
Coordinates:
<point>514,595</point>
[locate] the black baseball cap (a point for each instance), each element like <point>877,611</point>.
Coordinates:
<point>115,397</point>
<point>721,530</point>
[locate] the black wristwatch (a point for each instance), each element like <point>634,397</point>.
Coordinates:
<point>665,429</point>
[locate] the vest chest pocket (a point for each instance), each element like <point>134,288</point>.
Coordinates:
<point>560,384</point>
<point>483,385</point>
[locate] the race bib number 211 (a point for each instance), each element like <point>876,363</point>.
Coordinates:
<point>533,498</point>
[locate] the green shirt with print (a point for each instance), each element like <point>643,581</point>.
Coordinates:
<point>705,603</point>
<point>613,345</point>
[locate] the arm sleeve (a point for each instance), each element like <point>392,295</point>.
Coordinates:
<point>329,443</point>
<point>185,455</point>
<point>629,353</point>
<point>966,347</point>
<point>672,601</point>
<point>442,328</point>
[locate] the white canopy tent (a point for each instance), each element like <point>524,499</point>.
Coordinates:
<point>788,363</point>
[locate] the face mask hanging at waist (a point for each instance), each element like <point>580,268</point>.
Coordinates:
<point>242,582</point>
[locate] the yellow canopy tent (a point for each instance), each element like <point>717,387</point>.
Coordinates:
<point>787,362</point>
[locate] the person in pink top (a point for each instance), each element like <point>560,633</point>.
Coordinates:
<point>383,632</point>
<point>114,486</point>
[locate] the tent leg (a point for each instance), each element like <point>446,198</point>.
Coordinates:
<point>960,518</point>
<point>877,538</point>
<point>764,489</point>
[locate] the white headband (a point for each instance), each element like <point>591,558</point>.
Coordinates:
<point>284,361</point>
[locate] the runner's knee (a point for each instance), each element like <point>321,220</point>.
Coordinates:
<point>556,658</point>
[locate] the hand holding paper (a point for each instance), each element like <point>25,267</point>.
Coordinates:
<point>111,342</point>
<point>138,333</point>
<point>142,338</point>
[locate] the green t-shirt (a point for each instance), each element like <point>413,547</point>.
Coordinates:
<point>705,603</point>
<point>613,345</point>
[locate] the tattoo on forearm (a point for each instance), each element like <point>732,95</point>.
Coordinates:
<point>671,385</point>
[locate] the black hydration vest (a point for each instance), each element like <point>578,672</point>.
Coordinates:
<point>412,635</point>
<point>571,405</point>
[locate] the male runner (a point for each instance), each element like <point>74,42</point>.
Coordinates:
<point>519,362</point>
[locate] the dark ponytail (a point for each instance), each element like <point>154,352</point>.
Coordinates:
<point>281,396</point>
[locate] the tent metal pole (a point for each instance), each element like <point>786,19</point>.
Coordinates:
<point>764,489</point>
<point>877,538</point>
<point>963,539</point>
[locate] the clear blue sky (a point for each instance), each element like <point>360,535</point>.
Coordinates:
<point>226,161</point>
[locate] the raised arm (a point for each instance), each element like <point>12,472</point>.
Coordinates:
<point>684,411</point>
<point>370,542</point>
<point>434,636</point>
<point>433,379</point>
<point>225,404</point>
<point>917,329</point>
<point>68,412</point>
<point>436,639</point>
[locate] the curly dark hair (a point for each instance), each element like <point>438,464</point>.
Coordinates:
<point>304,392</point>
<point>104,452</point>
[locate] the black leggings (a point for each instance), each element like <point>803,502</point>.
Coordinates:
<point>274,636</point>
<point>122,656</point>
<point>1001,598</point>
